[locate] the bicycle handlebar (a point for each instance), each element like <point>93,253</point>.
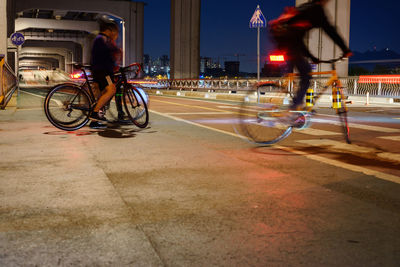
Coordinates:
<point>131,65</point>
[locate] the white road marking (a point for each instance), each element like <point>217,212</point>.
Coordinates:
<point>336,122</point>
<point>336,163</point>
<point>230,107</point>
<point>59,103</point>
<point>196,113</point>
<point>393,138</point>
<point>22,91</point>
<point>365,152</point>
<point>337,146</point>
<point>358,126</point>
<point>317,132</point>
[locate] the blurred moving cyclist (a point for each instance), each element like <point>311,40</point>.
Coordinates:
<point>105,54</point>
<point>289,31</point>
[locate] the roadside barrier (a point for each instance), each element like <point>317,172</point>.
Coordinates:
<point>8,83</point>
<point>382,89</point>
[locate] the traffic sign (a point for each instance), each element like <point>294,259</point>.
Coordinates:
<point>258,20</point>
<point>17,38</point>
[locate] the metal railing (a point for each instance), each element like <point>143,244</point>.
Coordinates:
<point>8,82</point>
<point>384,87</point>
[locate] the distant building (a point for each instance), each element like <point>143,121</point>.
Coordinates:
<point>146,63</point>
<point>214,72</point>
<point>205,63</point>
<point>156,67</point>
<point>273,69</point>
<point>232,68</point>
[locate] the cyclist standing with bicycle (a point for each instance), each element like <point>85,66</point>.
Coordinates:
<point>289,31</point>
<point>103,63</point>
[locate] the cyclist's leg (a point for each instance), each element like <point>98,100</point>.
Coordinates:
<point>118,102</point>
<point>108,93</point>
<point>107,88</point>
<point>301,64</point>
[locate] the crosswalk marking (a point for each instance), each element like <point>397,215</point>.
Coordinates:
<point>359,126</point>
<point>365,152</point>
<point>194,113</point>
<point>317,132</point>
<point>336,122</point>
<point>393,138</point>
<point>338,146</point>
<point>333,162</point>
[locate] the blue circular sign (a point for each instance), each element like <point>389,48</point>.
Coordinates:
<point>17,38</point>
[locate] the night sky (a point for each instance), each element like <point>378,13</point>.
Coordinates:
<point>225,27</point>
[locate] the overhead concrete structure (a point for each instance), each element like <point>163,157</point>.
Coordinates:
<point>64,56</point>
<point>319,43</point>
<point>70,51</point>
<point>72,25</point>
<point>85,42</point>
<point>185,39</point>
<point>131,13</point>
<point>49,62</point>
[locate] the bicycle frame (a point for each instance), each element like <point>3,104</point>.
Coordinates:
<point>333,81</point>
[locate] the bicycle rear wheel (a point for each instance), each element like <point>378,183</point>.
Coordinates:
<point>260,116</point>
<point>67,107</point>
<point>135,106</point>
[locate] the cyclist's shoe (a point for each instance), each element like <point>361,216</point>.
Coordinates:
<point>296,108</point>
<point>95,116</point>
<point>123,120</point>
<point>298,121</point>
<point>97,125</point>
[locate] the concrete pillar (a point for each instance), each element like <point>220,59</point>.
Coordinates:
<point>11,14</point>
<point>134,33</point>
<point>185,39</point>
<point>319,43</point>
<point>87,44</point>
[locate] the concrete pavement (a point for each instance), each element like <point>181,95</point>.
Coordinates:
<point>178,195</point>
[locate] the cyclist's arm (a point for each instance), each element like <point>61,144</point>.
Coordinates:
<point>332,33</point>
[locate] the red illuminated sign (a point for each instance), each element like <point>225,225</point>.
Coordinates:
<point>277,58</point>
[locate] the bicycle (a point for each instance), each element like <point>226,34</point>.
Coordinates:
<point>67,106</point>
<point>265,119</point>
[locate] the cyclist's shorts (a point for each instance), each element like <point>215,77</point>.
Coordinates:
<point>103,79</point>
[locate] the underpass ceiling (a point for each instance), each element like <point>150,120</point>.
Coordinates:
<point>49,34</point>
<point>58,14</point>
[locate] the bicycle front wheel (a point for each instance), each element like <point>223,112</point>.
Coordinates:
<point>342,113</point>
<point>135,106</point>
<point>260,117</point>
<point>67,107</point>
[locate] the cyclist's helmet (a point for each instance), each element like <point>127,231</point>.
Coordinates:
<point>107,23</point>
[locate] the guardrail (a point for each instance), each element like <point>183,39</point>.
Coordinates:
<point>381,86</point>
<point>8,82</point>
